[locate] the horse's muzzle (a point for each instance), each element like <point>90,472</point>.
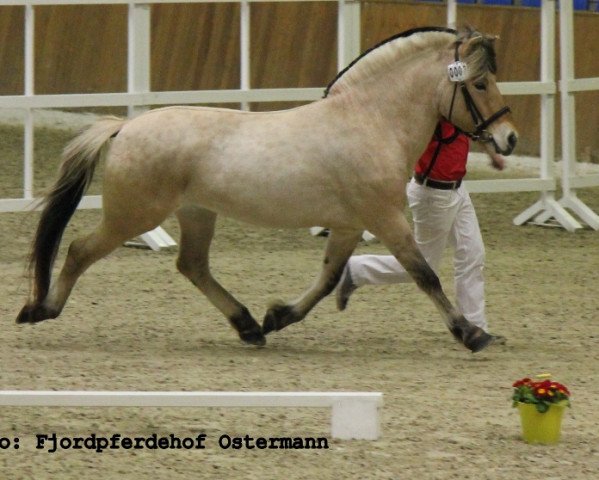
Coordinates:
<point>512,140</point>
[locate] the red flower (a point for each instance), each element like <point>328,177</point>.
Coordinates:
<point>541,392</point>
<point>520,383</point>
<point>561,388</point>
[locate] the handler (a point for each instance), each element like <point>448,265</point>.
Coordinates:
<point>442,213</point>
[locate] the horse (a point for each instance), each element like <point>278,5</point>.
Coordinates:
<point>341,162</point>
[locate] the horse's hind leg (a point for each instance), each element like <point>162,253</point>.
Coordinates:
<point>394,231</point>
<point>197,230</point>
<point>340,246</point>
<point>82,253</point>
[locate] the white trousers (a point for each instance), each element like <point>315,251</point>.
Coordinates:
<point>441,217</point>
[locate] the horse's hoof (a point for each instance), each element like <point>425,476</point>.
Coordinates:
<point>248,329</point>
<point>29,314</point>
<point>269,324</point>
<point>477,339</point>
<point>472,337</point>
<point>253,337</point>
<point>278,317</point>
<point>34,314</point>
<point>24,315</point>
<point>479,342</point>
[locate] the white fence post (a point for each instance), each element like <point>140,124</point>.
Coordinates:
<point>452,13</point>
<point>244,49</point>
<point>139,81</point>
<point>568,86</point>
<point>547,206</point>
<point>348,49</point>
<point>138,52</point>
<point>348,32</point>
<point>28,139</point>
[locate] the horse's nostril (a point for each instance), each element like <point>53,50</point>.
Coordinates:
<point>512,140</point>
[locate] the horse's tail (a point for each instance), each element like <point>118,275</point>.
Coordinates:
<point>79,161</point>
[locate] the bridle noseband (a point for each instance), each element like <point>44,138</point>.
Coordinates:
<point>480,133</point>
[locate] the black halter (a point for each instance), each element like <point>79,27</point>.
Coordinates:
<point>480,133</point>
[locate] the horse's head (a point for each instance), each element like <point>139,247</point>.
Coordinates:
<point>470,97</point>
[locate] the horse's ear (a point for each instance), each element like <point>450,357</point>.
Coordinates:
<point>478,51</point>
<point>466,32</point>
<point>476,40</point>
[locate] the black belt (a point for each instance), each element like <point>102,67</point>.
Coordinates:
<point>438,184</point>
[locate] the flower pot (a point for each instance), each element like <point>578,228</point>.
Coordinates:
<point>542,428</point>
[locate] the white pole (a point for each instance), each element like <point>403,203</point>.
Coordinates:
<point>548,99</point>
<point>29,92</point>
<point>452,13</point>
<point>138,52</point>
<point>348,32</point>
<point>567,98</point>
<point>569,198</point>
<point>547,207</point>
<point>341,35</point>
<point>244,46</point>
<point>139,26</point>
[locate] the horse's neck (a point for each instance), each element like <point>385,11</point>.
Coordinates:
<point>407,101</point>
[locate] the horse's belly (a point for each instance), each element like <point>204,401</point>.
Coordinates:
<point>293,211</point>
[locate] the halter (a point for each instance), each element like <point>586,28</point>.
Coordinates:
<point>480,133</point>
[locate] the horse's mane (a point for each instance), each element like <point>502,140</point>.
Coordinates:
<point>480,59</point>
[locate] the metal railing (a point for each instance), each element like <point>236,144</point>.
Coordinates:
<point>139,95</point>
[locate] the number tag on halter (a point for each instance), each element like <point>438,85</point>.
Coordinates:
<point>458,71</point>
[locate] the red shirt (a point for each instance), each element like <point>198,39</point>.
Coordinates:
<point>451,161</point>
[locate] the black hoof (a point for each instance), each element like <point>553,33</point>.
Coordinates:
<point>278,317</point>
<point>248,329</point>
<point>253,337</point>
<point>478,342</point>
<point>472,337</point>
<point>269,324</point>
<point>35,314</point>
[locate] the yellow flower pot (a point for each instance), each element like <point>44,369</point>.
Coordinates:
<point>542,428</point>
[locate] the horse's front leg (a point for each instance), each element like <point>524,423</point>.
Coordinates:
<point>197,231</point>
<point>340,246</point>
<point>394,231</point>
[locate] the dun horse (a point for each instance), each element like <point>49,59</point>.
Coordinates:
<point>341,162</point>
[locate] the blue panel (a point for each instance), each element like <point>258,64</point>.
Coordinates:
<point>578,4</point>
<point>498,2</point>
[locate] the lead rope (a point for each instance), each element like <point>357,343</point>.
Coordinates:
<point>440,142</point>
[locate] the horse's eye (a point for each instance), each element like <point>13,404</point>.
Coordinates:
<point>480,86</point>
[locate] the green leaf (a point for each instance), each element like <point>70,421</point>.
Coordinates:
<point>542,407</point>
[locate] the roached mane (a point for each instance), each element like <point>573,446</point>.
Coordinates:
<point>480,59</point>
